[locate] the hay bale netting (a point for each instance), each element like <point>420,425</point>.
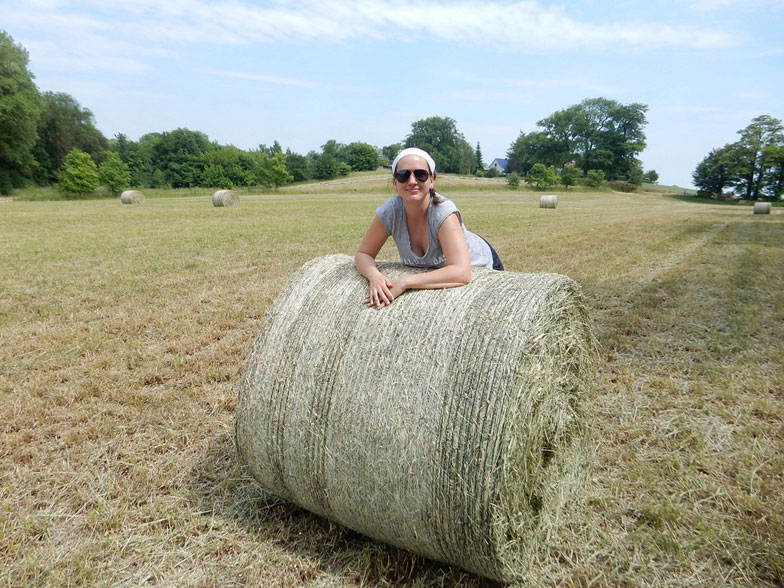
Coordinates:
<point>225,198</point>
<point>548,201</point>
<point>762,208</point>
<point>131,197</point>
<point>453,423</point>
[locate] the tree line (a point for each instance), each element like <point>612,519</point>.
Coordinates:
<point>598,135</point>
<point>752,167</point>
<point>48,138</point>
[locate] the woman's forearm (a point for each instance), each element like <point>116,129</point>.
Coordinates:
<point>365,264</point>
<point>449,276</point>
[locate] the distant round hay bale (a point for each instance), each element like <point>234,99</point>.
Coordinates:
<point>453,423</point>
<point>132,197</point>
<point>225,198</point>
<point>762,208</point>
<point>548,201</point>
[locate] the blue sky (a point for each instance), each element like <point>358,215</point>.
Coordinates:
<point>249,72</point>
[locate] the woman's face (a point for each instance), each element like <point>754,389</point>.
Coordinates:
<point>413,189</point>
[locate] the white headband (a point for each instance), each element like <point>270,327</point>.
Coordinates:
<point>418,152</point>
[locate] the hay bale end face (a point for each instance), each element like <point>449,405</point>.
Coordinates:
<point>453,423</point>
<point>762,208</point>
<point>225,198</point>
<point>548,201</point>
<point>131,197</point>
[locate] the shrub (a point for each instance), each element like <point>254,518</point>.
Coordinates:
<point>569,176</point>
<point>623,186</point>
<point>513,180</point>
<point>542,176</point>
<point>595,178</point>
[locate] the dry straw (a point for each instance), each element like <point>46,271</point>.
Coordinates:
<point>548,201</point>
<point>762,208</point>
<point>453,423</point>
<point>132,197</point>
<point>225,198</point>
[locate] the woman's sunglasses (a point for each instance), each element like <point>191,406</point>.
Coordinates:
<point>421,175</point>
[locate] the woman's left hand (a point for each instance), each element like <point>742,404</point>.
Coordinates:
<point>396,289</point>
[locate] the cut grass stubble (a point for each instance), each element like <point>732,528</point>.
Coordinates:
<point>123,331</point>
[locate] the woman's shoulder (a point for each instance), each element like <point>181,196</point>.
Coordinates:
<point>445,202</point>
<point>439,212</point>
<point>390,213</point>
<point>444,207</point>
<point>393,203</point>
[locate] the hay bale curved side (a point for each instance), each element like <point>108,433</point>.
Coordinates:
<point>548,201</point>
<point>132,197</point>
<point>453,423</point>
<point>762,208</point>
<point>225,198</point>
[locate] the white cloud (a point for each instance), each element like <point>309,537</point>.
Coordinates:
<point>687,109</point>
<point>718,5</point>
<point>276,80</point>
<point>519,26</point>
<point>753,95</point>
<point>710,5</point>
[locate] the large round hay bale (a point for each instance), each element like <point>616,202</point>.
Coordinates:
<point>548,201</point>
<point>762,208</point>
<point>225,198</point>
<point>132,197</point>
<point>453,423</point>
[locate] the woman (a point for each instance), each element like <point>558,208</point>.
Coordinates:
<point>428,231</point>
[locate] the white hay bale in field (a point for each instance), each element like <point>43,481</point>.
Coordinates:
<point>225,198</point>
<point>548,201</point>
<point>762,208</point>
<point>132,197</point>
<point>453,423</point>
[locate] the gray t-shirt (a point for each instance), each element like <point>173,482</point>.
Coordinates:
<point>392,215</point>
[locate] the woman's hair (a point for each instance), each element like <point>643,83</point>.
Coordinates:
<point>435,198</point>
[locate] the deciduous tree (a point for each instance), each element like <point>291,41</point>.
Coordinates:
<point>569,176</point>
<point>537,147</point>
<point>601,134</point>
<point>362,157</point>
<point>391,151</point>
<point>773,160</point>
<point>749,153</point>
<point>298,166</point>
<point>595,178</point>
<point>114,174</point>
<point>542,176</point>
<point>79,174</point>
<point>64,125</point>
<point>279,174</point>
<point>715,172</point>
<point>447,146</point>
<point>19,113</point>
<point>175,156</point>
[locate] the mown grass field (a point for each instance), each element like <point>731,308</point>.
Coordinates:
<point>124,329</point>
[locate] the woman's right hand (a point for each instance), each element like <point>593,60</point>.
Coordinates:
<point>380,294</point>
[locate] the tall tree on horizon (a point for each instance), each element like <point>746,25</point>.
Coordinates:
<point>64,125</point>
<point>600,134</point>
<point>447,146</point>
<point>749,153</point>
<point>19,113</point>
